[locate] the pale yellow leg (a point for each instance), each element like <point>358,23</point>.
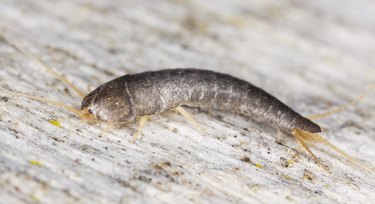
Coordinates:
<point>141,124</point>
<point>301,141</point>
<point>321,140</point>
<point>278,136</point>
<point>190,118</point>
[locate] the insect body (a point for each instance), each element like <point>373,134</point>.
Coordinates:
<point>148,93</point>
<point>125,98</point>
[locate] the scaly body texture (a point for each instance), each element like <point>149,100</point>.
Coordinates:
<point>130,96</point>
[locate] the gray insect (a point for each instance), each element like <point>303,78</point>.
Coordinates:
<point>128,97</point>
<point>125,98</point>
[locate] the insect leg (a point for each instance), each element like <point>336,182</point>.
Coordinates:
<point>141,124</point>
<point>278,136</point>
<point>297,135</point>
<point>190,118</point>
<point>318,138</point>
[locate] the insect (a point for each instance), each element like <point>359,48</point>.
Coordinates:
<point>129,97</point>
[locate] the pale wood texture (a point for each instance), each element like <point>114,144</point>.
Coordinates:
<point>313,55</point>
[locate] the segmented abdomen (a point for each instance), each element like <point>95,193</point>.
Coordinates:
<point>155,92</point>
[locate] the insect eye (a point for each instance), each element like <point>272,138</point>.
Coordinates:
<point>90,111</point>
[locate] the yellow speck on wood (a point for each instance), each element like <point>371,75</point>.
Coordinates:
<point>308,176</point>
<point>286,177</point>
<point>259,166</point>
<point>54,122</point>
<point>35,163</point>
<point>290,162</point>
<point>236,20</point>
<point>34,198</point>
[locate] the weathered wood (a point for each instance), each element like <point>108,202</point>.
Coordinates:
<point>313,55</point>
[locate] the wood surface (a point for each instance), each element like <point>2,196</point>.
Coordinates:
<point>313,55</point>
